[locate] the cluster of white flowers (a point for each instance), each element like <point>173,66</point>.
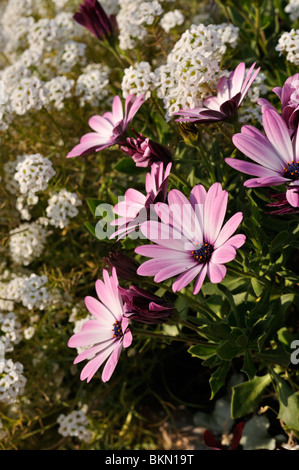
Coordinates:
<point>33,173</point>
<point>51,45</point>
<point>56,91</point>
<point>11,330</point>
<point>132,19</point>
<point>34,293</point>
<point>288,44</point>
<point>12,381</point>
<point>26,242</point>
<point>74,425</point>
<point>192,68</point>
<point>171,19</point>
<point>92,86</point>
<point>111,7</point>
<point>62,206</point>
<point>250,111</point>
<point>10,288</point>
<point>292,9</point>
<point>138,80</point>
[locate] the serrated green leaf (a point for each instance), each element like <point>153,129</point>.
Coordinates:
<point>288,403</point>
<point>248,366</point>
<point>218,377</point>
<point>203,351</point>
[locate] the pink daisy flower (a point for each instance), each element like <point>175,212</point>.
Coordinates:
<point>289,97</point>
<point>135,207</point>
<point>110,128</point>
<point>231,92</point>
<point>190,241</point>
<point>107,334</point>
<point>275,154</point>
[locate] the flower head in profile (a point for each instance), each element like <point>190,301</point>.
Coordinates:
<point>275,155</point>
<point>231,92</point>
<point>190,241</point>
<point>135,208</point>
<point>126,267</point>
<point>109,129</point>
<point>144,307</point>
<point>92,16</point>
<point>106,334</point>
<point>289,97</point>
<point>144,151</point>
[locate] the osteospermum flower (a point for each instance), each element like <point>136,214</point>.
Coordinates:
<point>135,207</point>
<point>92,16</point>
<point>107,334</point>
<point>275,154</point>
<point>190,242</point>
<point>231,92</point>
<point>289,97</point>
<point>110,128</point>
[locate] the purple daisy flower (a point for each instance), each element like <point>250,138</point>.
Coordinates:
<point>289,97</point>
<point>275,155</point>
<point>92,16</point>
<point>190,241</point>
<point>144,151</point>
<point>109,128</point>
<point>135,207</point>
<point>103,337</point>
<point>231,92</point>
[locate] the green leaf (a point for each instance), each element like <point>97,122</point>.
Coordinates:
<point>288,403</point>
<point>228,351</point>
<point>248,366</point>
<point>127,165</point>
<point>218,377</point>
<point>246,396</point>
<point>278,355</point>
<point>279,241</point>
<point>257,286</point>
<point>90,229</point>
<point>203,351</point>
<point>93,204</point>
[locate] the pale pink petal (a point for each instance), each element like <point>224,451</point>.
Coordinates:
<point>216,272</point>
<point>292,196</point>
<point>117,110</point>
<point>102,126</point>
<point>214,212</point>
<point>99,310</point>
<point>185,278</point>
<point>88,338</point>
<point>277,133</point>
<point>235,79</point>
<point>127,339</point>
<point>223,254</point>
<point>237,240</point>
<point>172,270</point>
<point>94,364</point>
<point>164,235</point>
<point>228,229</point>
<point>111,362</point>
<point>199,280</point>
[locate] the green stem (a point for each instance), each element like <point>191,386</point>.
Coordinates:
<point>162,336</point>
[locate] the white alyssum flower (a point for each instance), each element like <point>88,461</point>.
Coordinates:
<point>35,293</point>
<point>111,7</point>
<point>62,206</point>
<point>71,55</point>
<point>292,9</point>
<point>27,242</point>
<point>75,424</point>
<point>171,19</point>
<point>12,381</point>
<point>56,91</point>
<point>133,18</point>
<point>26,96</point>
<point>11,330</point>
<point>192,68</point>
<point>92,86</point>
<point>29,332</point>
<point>138,80</point>
<point>288,44</point>
<point>33,173</point>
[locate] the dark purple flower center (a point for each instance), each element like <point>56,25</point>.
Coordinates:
<point>203,253</point>
<point>117,331</point>
<point>291,171</point>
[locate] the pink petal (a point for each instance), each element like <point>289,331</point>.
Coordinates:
<point>111,362</point>
<point>199,280</point>
<point>277,132</point>
<point>88,338</point>
<point>98,310</point>
<point>117,110</point>
<point>127,339</point>
<point>236,78</point>
<point>292,196</point>
<point>216,272</point>
<point>249,168</point>
<point>223,254</point>
<point>228,229</point>
<point>237,240</point>
<point>166,236</point>
<point>185,278</point>
<point>214,212</point>
<point>102,126</point>
<point>94,364</point>
<point>172,270</point>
